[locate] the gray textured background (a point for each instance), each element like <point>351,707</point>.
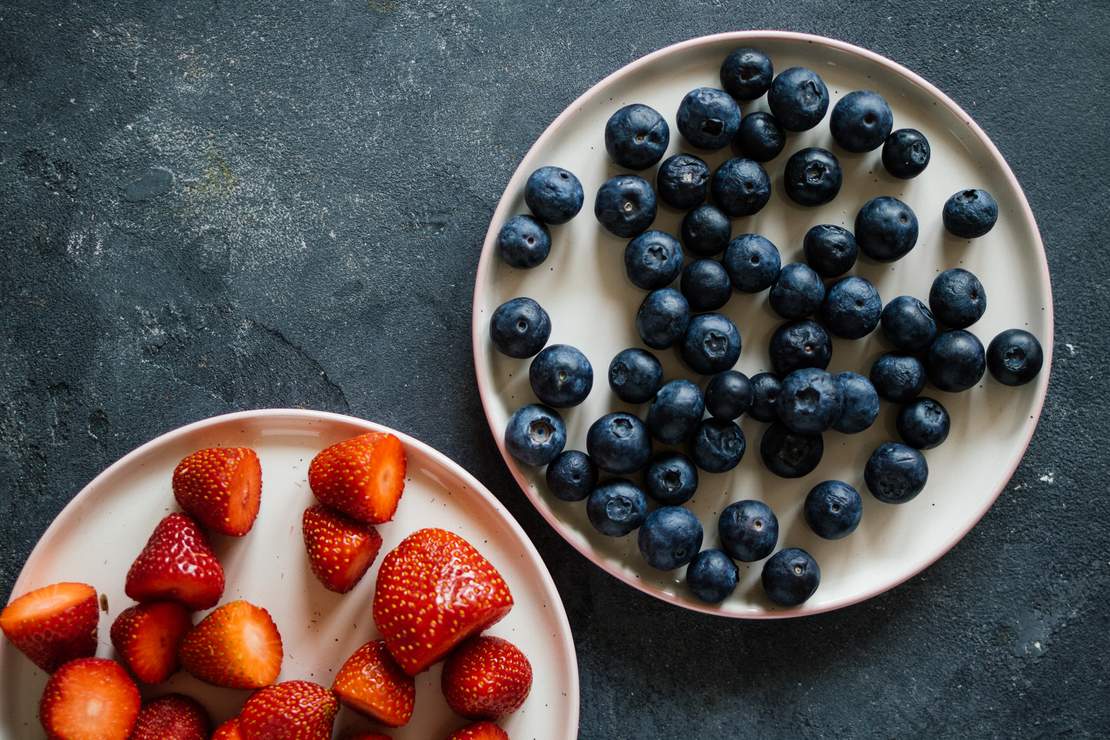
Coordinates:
<point>336,164</point>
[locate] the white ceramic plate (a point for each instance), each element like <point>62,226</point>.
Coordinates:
<point>100,532</point>
<point>592,304</point>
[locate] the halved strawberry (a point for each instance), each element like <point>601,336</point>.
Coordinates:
<point>479,731</point>
<point>434,590</point>
<point>89,698</point>
<point>237,646</point>
<point>291,710</point>
<point>53,624</point>
<point>172,717</point>
<point>221,487</point>
<point>228,730</point>
<point>363,477</point>
<point>372,683</point>
<point>339,548</point>
<point>486,678</point>
<point>147,637</point>
<point>177,564</point>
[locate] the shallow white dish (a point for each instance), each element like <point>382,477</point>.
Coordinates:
<point>592,305</point>
<point>100,532</point>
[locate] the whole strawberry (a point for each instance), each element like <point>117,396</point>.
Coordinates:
<point>53,624</point>
<point>486,678</point>
<point>177,564</point>
<point>434,590</point>
<point>147,637</point>
<point>236,646</point>
<point>479,731</point>
<point>362,477</point>
<point>291,710</point>
<point>371,682</point>
<point>89,698</point>
<point>340,549</point>
<point>172,717</point>
<point>228,730</point>
<point>221,487</point>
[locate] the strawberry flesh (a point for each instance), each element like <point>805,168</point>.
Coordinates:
<point>340,549</point>
<point>362,477</point>
<point>372,683</point>
<point>221,487</point>
<point>172,717</point>
<point>177,564</point>
<point>486,678</point>
<point>89,698</point>
<point>291,710</point>
<point>236,646</point>
<point>147,637</point>
<point>54,624</point>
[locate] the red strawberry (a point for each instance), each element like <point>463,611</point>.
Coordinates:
<point>434,590</point>
<point>221,487</point>
<point>54,624</point>
<point>291,710</point>
<point>479,731</point>
<point>228,730</point>
<point>340,550</point>
<point>177,564</point>
<point>147,637</point>
<point>486,678</point>
<point>237,646</point>
<point>89,698</point>
<point>172,717</point>
<point>372,683</point>
<point>363,477</point>
<point>365,736</point>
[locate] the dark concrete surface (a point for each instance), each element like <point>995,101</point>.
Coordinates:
<point>210,206</point>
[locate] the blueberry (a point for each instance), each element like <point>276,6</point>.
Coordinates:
<point>625,205</point>
<point>957,298</point>
<point>970,213</point>
<point>923,423</point>
<point>766,388</point>
<point>809,401</point>
<point>752,262</point>
<point>898,377</point>
<point>708,118</point>
<point>1014,357</point>
<point>830,250</point>
<point>908,324</point>
<point>955,361</point>
<point>895,473</point>
<point>662,318</point>
<point>561,376</point>
<point>749,530</point>
<point>553,194</point>
<point>711,344</point>
<point>619,443</point>
<point>706,230</point>
<point>519,328</point>
<point>860,403</point>
<point>797,292</point>
<point>635,375</point>
<point>706,285</point>
<point>799,344</point>
<point>670,537</point>
<point>728,395</point>
<point>886,229</point>
<point>861,121</point>
<point>683,181</point>
<point>712,577</point>
<point>636,136</point>
<point>571,476</point>
<point>760,137</point>
<point>523,241</point>
<point>788,454</point>
<point>790,577</point>
<point>741,187</point>
<point>813,176</point>
<point>616,507</point>
<point>671,478</point>
<point>718,445</point>
<point>833,509</point>
<point>747,73</point>
<point>798,98</point>
<point>535,434</point>
<point>852,308</point>
<point>653,260</point>
<point>675,412</point>
<point>906,153</point>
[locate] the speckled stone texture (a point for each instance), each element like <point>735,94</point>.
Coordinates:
<point>210,206</point>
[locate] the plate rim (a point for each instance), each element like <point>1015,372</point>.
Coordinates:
<point>440,459</point>
<point>516,183</point>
